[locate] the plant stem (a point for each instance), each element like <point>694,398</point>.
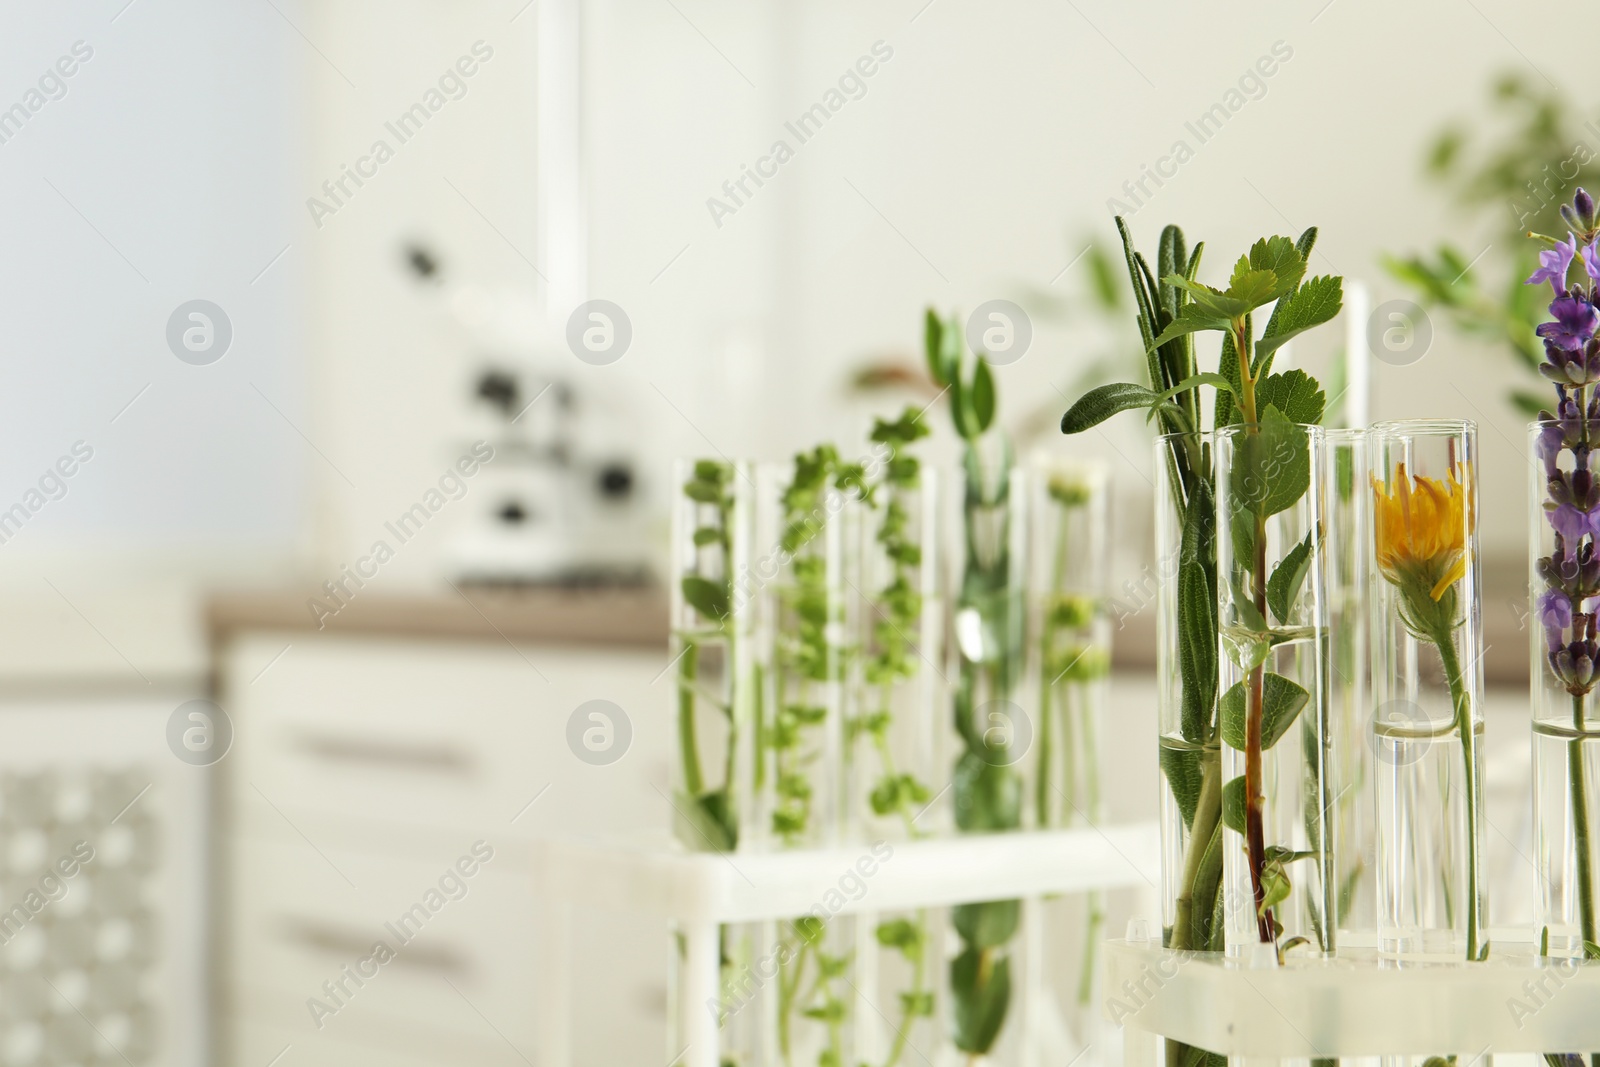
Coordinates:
<point>1207,816</point>
<point>908,1011</point>
<point>1580,820</point>
<point>1254,798</point>
<point>1469,750</point>
<point>688,744</point>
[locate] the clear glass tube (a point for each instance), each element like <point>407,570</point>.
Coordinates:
<point>1427,671</point>
<point>1563,584</point>
<point>1192,891</point>
<point>993,733</point>
<point>896,714</point>
<point>1069,663</point>
<point>1349,546</point>
<point>1278,845</point>
<point>1069,668</point>
<point>1193,896</point>
<point>894,717</point>
<point>711,654</point>
<point>807,528</point>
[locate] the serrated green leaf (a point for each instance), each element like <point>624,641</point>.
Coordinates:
<point>1281,703</point>
<point>1225,306</point>
<point>1294,393</point>
<point>1278,255</point>
<point>1311,305</point>
<point>1271,468</point>
<point>1254,288</point>
<point>983,395</point>
<point>1283,588</point>
<point>1233,805</point>
<point>1098,405</point>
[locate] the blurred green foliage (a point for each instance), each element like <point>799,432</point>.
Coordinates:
<point>1512,172</point>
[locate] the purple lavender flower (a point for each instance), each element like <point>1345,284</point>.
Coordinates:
<point>1575,323</point>
<point>1550,444</point>
<point>1591,258</point>
<point>1579,215</point>
<point>1570,523</point>
<point>1553,264</point>
<point>1555,613</point>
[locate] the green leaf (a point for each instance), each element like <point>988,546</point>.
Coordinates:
<point>1529,403</point>
<point>1306,242</point>
<point>1192,318</point>
<point>1225,410</point>
<point>1591,951</point>
<point>987,796</point>
<point>1254,288</point>
<point>706,821</point>
<point>709,599</point>
<point>1271,468</point>
<point>702,491</point>
<point>1283,588</point>
<point>961,409</point>
<point>983,395</point>
<point>1218,305</point>
<point>1216,381</point>
<point>1275,885</point>
<point>1197,615</point>
<point>901,934</point>
<point>1314,303</point>
<point>1295,393</point>
<point>933,344</point>
<point>1184,777</point>
<point>1098,405</point>
<point>1234,805</point>
<point>1278,255</point>
<point>1281,702</point>
<point>1244,605</point>
<point>987,924</point>
<point>1171,259</point>
<point>978,1000</point>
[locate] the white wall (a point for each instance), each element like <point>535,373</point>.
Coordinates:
<point>156,179</point>
<point>987,147</point>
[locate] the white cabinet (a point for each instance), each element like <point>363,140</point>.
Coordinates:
<point>367,775</point>
<point>102,909</point>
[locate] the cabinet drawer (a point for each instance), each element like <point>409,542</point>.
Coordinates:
<point>453,945</point>
<point>375,1042</point>
<point>422,733</point>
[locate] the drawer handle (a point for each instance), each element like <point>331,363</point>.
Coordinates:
<point>348,944</point>
<point>388,754</point>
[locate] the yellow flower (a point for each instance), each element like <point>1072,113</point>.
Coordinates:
<point>1421,533</point>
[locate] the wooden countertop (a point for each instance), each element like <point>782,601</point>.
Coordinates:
<point>628,617</point>
<point>637,617</point>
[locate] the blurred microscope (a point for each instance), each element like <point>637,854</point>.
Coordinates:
<point>561,503</point>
